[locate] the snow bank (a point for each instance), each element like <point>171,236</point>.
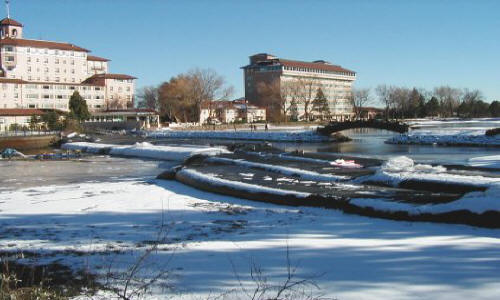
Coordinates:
<point>402,168</point>
<point>294,172</point>
<point>476,202</point>
<point>146,150</point>
<point>422,138</point>
<point>492,161</point>
<point>251,188</point>
<point>285,136</point>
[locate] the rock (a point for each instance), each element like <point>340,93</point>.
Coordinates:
<point>169,174</point>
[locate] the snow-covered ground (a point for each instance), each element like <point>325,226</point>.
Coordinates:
<point>402,168</point>
<point>146,150</point>
<point>282,136</point>
<point>212,240</point>
<point>450,132</point>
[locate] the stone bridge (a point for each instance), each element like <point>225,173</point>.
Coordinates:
<point>376,124</point>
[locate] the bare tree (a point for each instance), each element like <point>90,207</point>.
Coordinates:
<point>282,98</point>
<point>148,98</point>
<point>207,86</point>
<point>117,101</point>
<point>359,99</point>
<point>384,94</point>
<point>305,90</point>
<point>449,99</point>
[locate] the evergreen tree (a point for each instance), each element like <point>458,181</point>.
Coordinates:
<point>494,109</point>
<point>432,107</point>
<point>294,110</point>
<point>320,103</point>
<point>51,119</point>
<point>78,107</point>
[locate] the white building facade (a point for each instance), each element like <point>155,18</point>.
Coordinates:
<point>44,74</point>
<point>305,78</point>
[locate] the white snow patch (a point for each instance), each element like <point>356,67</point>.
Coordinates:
<point>146,150</point>
<point>288,171</point>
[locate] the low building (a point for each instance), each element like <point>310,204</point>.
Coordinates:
<point>12,119</point>
<point>368,113</point>
<point>231,112</point>
<point>126,119</point>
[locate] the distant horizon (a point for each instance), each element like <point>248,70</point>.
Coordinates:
<point>421,44</point>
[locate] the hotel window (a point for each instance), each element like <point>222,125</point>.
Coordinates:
<point>59,96</point>
<point>28,50</point>
<point>57,61</point>
<point>46,61</point>
<point>58,79</point>
<point>57,70</point>
<point>72,71</point>
<point>46,97</point>
<point>72,62</point>
<point>46,70</point>
<point>29,69</point>
<point>29,59</point>
<point>9,58</point>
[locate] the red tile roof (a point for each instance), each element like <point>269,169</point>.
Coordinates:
<point>11,80</point>
<point>313,65</point>
<point>8,21</point>
<point>111,76</point>
<point>96,58</point>
<point>41,44</point>
<point>14,112</point>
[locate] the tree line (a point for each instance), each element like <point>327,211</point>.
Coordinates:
<point>442,101</point>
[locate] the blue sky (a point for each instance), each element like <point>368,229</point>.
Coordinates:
<point>407,43</point>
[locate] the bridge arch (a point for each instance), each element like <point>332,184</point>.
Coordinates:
<point>333,127</point>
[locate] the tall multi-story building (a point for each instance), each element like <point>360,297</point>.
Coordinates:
<point>297,83</point>
<point>44,74</point>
